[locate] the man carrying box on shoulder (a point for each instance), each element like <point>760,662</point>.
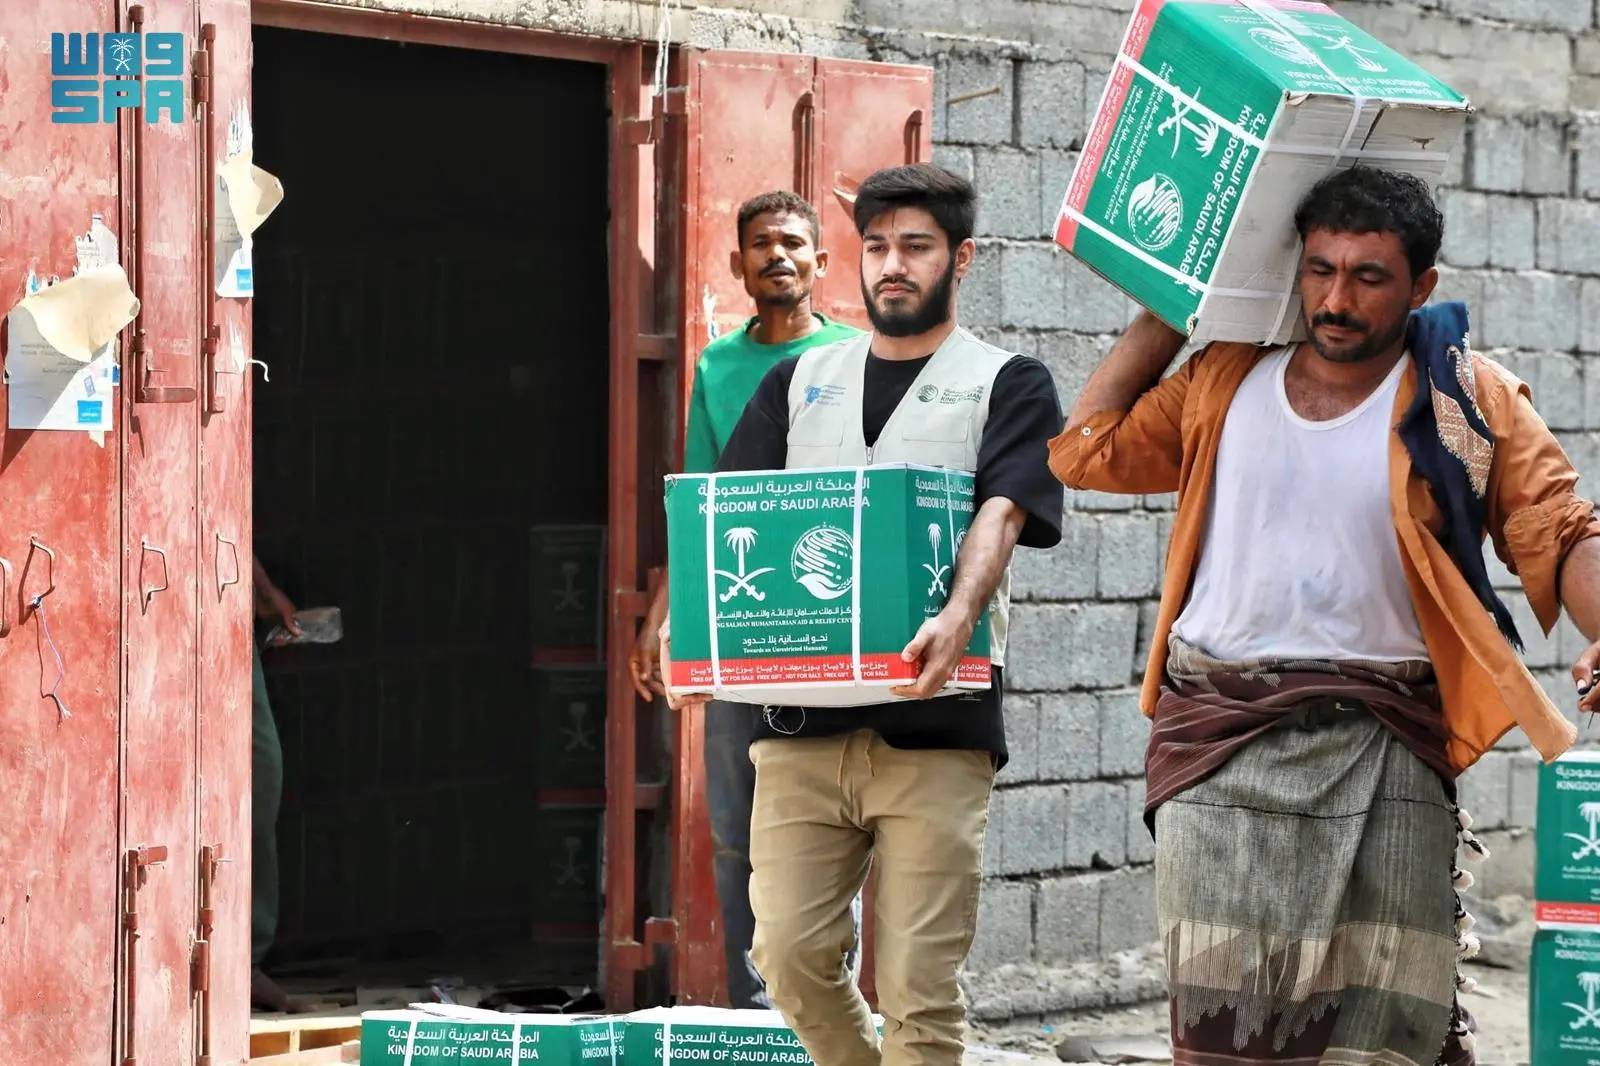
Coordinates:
<point>779,257</point>
<point>905,784</point>
<point>1330,653</point>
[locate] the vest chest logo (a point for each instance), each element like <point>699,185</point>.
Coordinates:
<point>824,395</point>
<point>950,397</point>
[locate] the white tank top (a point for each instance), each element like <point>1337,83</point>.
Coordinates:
<point>1300,558</point>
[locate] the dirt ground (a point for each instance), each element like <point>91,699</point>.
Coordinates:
<point>1499,1006</point>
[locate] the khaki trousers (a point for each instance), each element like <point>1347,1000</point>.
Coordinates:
<point>825,807</point>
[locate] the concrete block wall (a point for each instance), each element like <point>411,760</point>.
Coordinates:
<point>1067,913</point>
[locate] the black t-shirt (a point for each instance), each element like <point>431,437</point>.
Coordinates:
<point>1013,461</point>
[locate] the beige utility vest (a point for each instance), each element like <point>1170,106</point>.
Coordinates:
<point>939,422</point>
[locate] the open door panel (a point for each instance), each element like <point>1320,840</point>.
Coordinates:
<point>225,550</point>
<point>160,565</point>
<point>60,571</point>
<point>748,128</point>
<point>869,116</point>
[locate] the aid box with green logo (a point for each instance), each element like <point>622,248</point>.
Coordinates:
<point>804,586</point>
<point>438,1032</point>
<point>713,1035</point>
<point>1566,881</point>
<point>1564,998</point>
<point>1218,117</point>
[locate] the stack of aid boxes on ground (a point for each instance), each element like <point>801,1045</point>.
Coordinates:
<point>434,1033</point>
<point>664,1035</point>
<point>438,1032</point>
<point>1564,999</point>
<point>804,586</point>
<point>1218,116</point>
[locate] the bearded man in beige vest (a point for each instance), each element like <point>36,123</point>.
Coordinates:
<point>904,784</point>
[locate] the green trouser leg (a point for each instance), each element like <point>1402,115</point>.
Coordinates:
<point>266,793</point>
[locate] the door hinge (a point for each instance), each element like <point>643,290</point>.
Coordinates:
<point>658,932</point>
<point>631,603</point>
<point>202,66</point>
<point>636,131</point>
<point>655,347</point>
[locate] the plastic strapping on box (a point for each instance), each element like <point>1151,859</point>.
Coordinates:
<point>516,1042</point>
<point>666,1043</point>
<point>1358,108</point>
<point>1155,264</point>
<point>711,579</point>
<point>955,548</point>
<point>411,1042</point>
<point>855,576</point>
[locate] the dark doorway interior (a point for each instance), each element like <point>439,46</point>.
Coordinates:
<point>431,457</point>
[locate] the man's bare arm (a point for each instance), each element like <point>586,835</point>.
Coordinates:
<point>985,551</point>
<point>1580,595</point>
<point>943,639</point>
<point>644,659</point>
<point>1134,364</point>
<point>1580,587</point>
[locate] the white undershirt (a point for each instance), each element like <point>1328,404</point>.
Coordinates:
<point>1299,557</point>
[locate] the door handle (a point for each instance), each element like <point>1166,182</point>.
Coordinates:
<point>913,136</point>
<point>805,137</point>
<point>146,547</point>
<point>5,595</point>
<point>217,564</point>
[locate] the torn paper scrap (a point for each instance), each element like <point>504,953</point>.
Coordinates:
<point>80,315</point>
<point>246,195</point>
<point>251,192</point>
<point>48,390</point>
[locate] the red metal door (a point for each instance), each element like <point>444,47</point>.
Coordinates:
<point>58,540</point>
<point>869,115</point>
<point>748,128</point>
<point>224,550</point>
<point>628,942</point>
<point>160,566</point>
<point>755,122</point>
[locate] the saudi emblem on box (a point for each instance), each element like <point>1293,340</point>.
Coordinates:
<point>1566,883</point>
<point>804,586</point>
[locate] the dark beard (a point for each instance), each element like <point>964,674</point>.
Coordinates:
<point>1374,345</point>
<point>933,312</point>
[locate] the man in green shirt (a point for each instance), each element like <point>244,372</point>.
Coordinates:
<point>779,259</point>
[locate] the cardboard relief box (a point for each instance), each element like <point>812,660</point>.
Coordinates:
<point>567,572</point>
<point>715,1036</point>
<point>1566,881</point>
<point>437,1032</point>
<point>804,586</point>
<point>1218,117</point>
<point>1564,998</point>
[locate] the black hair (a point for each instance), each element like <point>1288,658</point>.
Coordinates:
<point>947,196</point>
<point>779,202</point>
<point>1369,200</point>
